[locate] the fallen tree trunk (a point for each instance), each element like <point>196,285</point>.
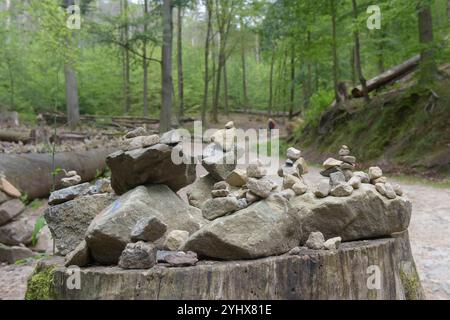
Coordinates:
<point>388,76</point>
<point>14,136</point>
<point>32,173</point>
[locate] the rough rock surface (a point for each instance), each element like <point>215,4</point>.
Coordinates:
<point>130,169</point>
<point>67,194</point>
<point>139,255</point>
<point>79,257</point>
<point>262,188</point>
<point>200,191</point>
<point>315,241</point>
<point>110,231</point>
<point>237,178</point>
<point>263,229</point>
<point>364,215</point>
<point>218,207</point>
<point>175,240</point>
<point>308,275</point>
<point>148,229</point>
<point>218,163</point>
<point>9,210</point>
<point>69,221</point>
<point>12,254</point>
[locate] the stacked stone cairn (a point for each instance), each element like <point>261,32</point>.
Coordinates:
<point>343,179</point>
<point>233,213</point>
<point>292,173</point>
<point>17,223</point>
<point>135,219</point>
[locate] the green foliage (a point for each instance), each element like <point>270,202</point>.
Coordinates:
<point>40,284</point>
<point>320,101</point>
<point>40,224</point>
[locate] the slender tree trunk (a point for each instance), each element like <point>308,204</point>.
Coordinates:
<point>428,67</point>
<point>126,58</point>
<point>225,88</point>
<point>72,103</point>
<point>292,98</point>
<point>358,66</point>
<point>145,63</point>
<point>73,109</point>
<point>309,86</point>
<point>381,67</point>
<point>334,49</point>
<point>244,70</point>
<point>272,62</point>
<point>218,82</point>
<point>12,85</point>
<point>206,77</point>
<point>352,64</point>
<point>167,84</point>
<point>214,71</point>
<point>180,62</point>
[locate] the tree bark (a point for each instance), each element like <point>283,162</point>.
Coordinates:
<point>428,67</point>
<point>167,84</point>
<point>244,68</point>
<point>225,87</point>
<point>206,76</point>
<point>71,85</point>
<point>292,97</point>
<point>358,66</point>
<point>126,58</point>
<point>272,62</point>
<point>334,49</point>
<point>180,62</point>
<point>145,63</point>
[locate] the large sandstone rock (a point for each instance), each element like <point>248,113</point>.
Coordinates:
<point>69,221</point>
<point>110,231</point>
<point>309,275</point>
<point>9,210</point>
<point>13,254</point>
<point>365,214</point>
<point>152,165</point>
<point>4,197</point>
<point>218,163</point>
<point>67,194</point>
<point>200,191</point>
<point>263,229</point>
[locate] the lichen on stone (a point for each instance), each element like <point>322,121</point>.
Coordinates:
<point>40,284</point>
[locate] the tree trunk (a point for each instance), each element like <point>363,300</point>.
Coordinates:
<point>428,64</point>
<point>244,70</point>
<point>180,63</point>
<point>292,98</point>
<point>309,85</point>
<point>206,77</point>
<point>272,62</point>
<point>145,63</point>
<point>352,64</point>
<point>167,85</point>
<point>225,88</point>
<point>334,49</point>
<point>72,104</point>
<point>126,58</point>
<point>358,66</point>
<point>220,65</point>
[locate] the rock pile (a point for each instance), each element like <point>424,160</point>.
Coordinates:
<point>91,224</point>
<point>17,223</point>
<point>233,214</point>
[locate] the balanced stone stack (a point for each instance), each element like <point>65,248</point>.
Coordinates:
<point>72,209</point>
<point>342,178</point>
<point>390,191</point>
<point>91,224</point>
<point>17,223</point>
<point>292,172</point>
